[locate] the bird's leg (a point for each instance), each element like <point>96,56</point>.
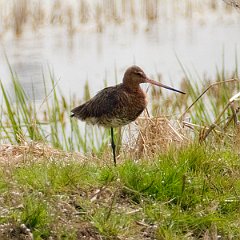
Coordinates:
<point>113,147</point>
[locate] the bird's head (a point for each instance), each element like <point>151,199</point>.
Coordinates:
<point>135,75</point>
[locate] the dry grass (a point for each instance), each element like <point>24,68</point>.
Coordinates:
<point>154,135</point>
<point>19,14</point>
<point>18,154</point>
<point>233,3</point>
<point>158,134</point>
<point>190,193</point>
<point>236,142</point>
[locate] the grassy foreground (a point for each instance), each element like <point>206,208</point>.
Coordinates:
<point>191,193</point>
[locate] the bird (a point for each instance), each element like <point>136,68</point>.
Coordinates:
<point>118,105</point>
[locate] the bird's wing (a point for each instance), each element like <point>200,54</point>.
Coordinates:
<point>103,103</point>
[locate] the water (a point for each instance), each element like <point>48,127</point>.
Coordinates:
<point>198,41</point>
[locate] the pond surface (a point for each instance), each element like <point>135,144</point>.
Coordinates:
<point>201,42</point>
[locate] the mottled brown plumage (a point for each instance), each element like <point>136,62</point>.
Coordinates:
<point>119,105</point>
<point>113,106</point>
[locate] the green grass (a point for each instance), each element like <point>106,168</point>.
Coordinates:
<point>189,193</point>
<point>24,120</point>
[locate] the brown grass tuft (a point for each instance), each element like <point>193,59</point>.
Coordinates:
<point>20,14</point>
<point>236,143</point>
<point>158,134</point>
<point>16,154</point>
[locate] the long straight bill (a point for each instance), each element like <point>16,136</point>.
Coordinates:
<point>164,86</point>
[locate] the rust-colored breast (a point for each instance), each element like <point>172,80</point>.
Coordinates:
<point>131,104</point>
<point>113,106</point>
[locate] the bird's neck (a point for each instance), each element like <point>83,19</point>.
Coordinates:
<point>131,86</point>
<point>133,89</point>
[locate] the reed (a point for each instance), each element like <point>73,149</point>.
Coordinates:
<point>83,12</point>
<point>20,15</point>
<point>23,13</point>
<point>99,18</point>
<point>37,15</point>
<point>24,120</point>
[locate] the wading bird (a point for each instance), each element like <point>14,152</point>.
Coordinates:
<point>118,105</point>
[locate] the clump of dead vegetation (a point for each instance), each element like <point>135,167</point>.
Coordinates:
<point>75,16</point>
<point>233,3</point>
<point>159,134</point>
<point>33,151</point>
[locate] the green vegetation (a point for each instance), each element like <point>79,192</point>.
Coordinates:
<point>191,193</point>
<point>24,120</point>
<point>188,191</point>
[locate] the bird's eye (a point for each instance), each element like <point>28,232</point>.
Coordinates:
<point>139,73</point>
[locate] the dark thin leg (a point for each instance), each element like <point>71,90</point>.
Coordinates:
<point>113,147</point>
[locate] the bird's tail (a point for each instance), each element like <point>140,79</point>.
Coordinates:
<point>79,112</point>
